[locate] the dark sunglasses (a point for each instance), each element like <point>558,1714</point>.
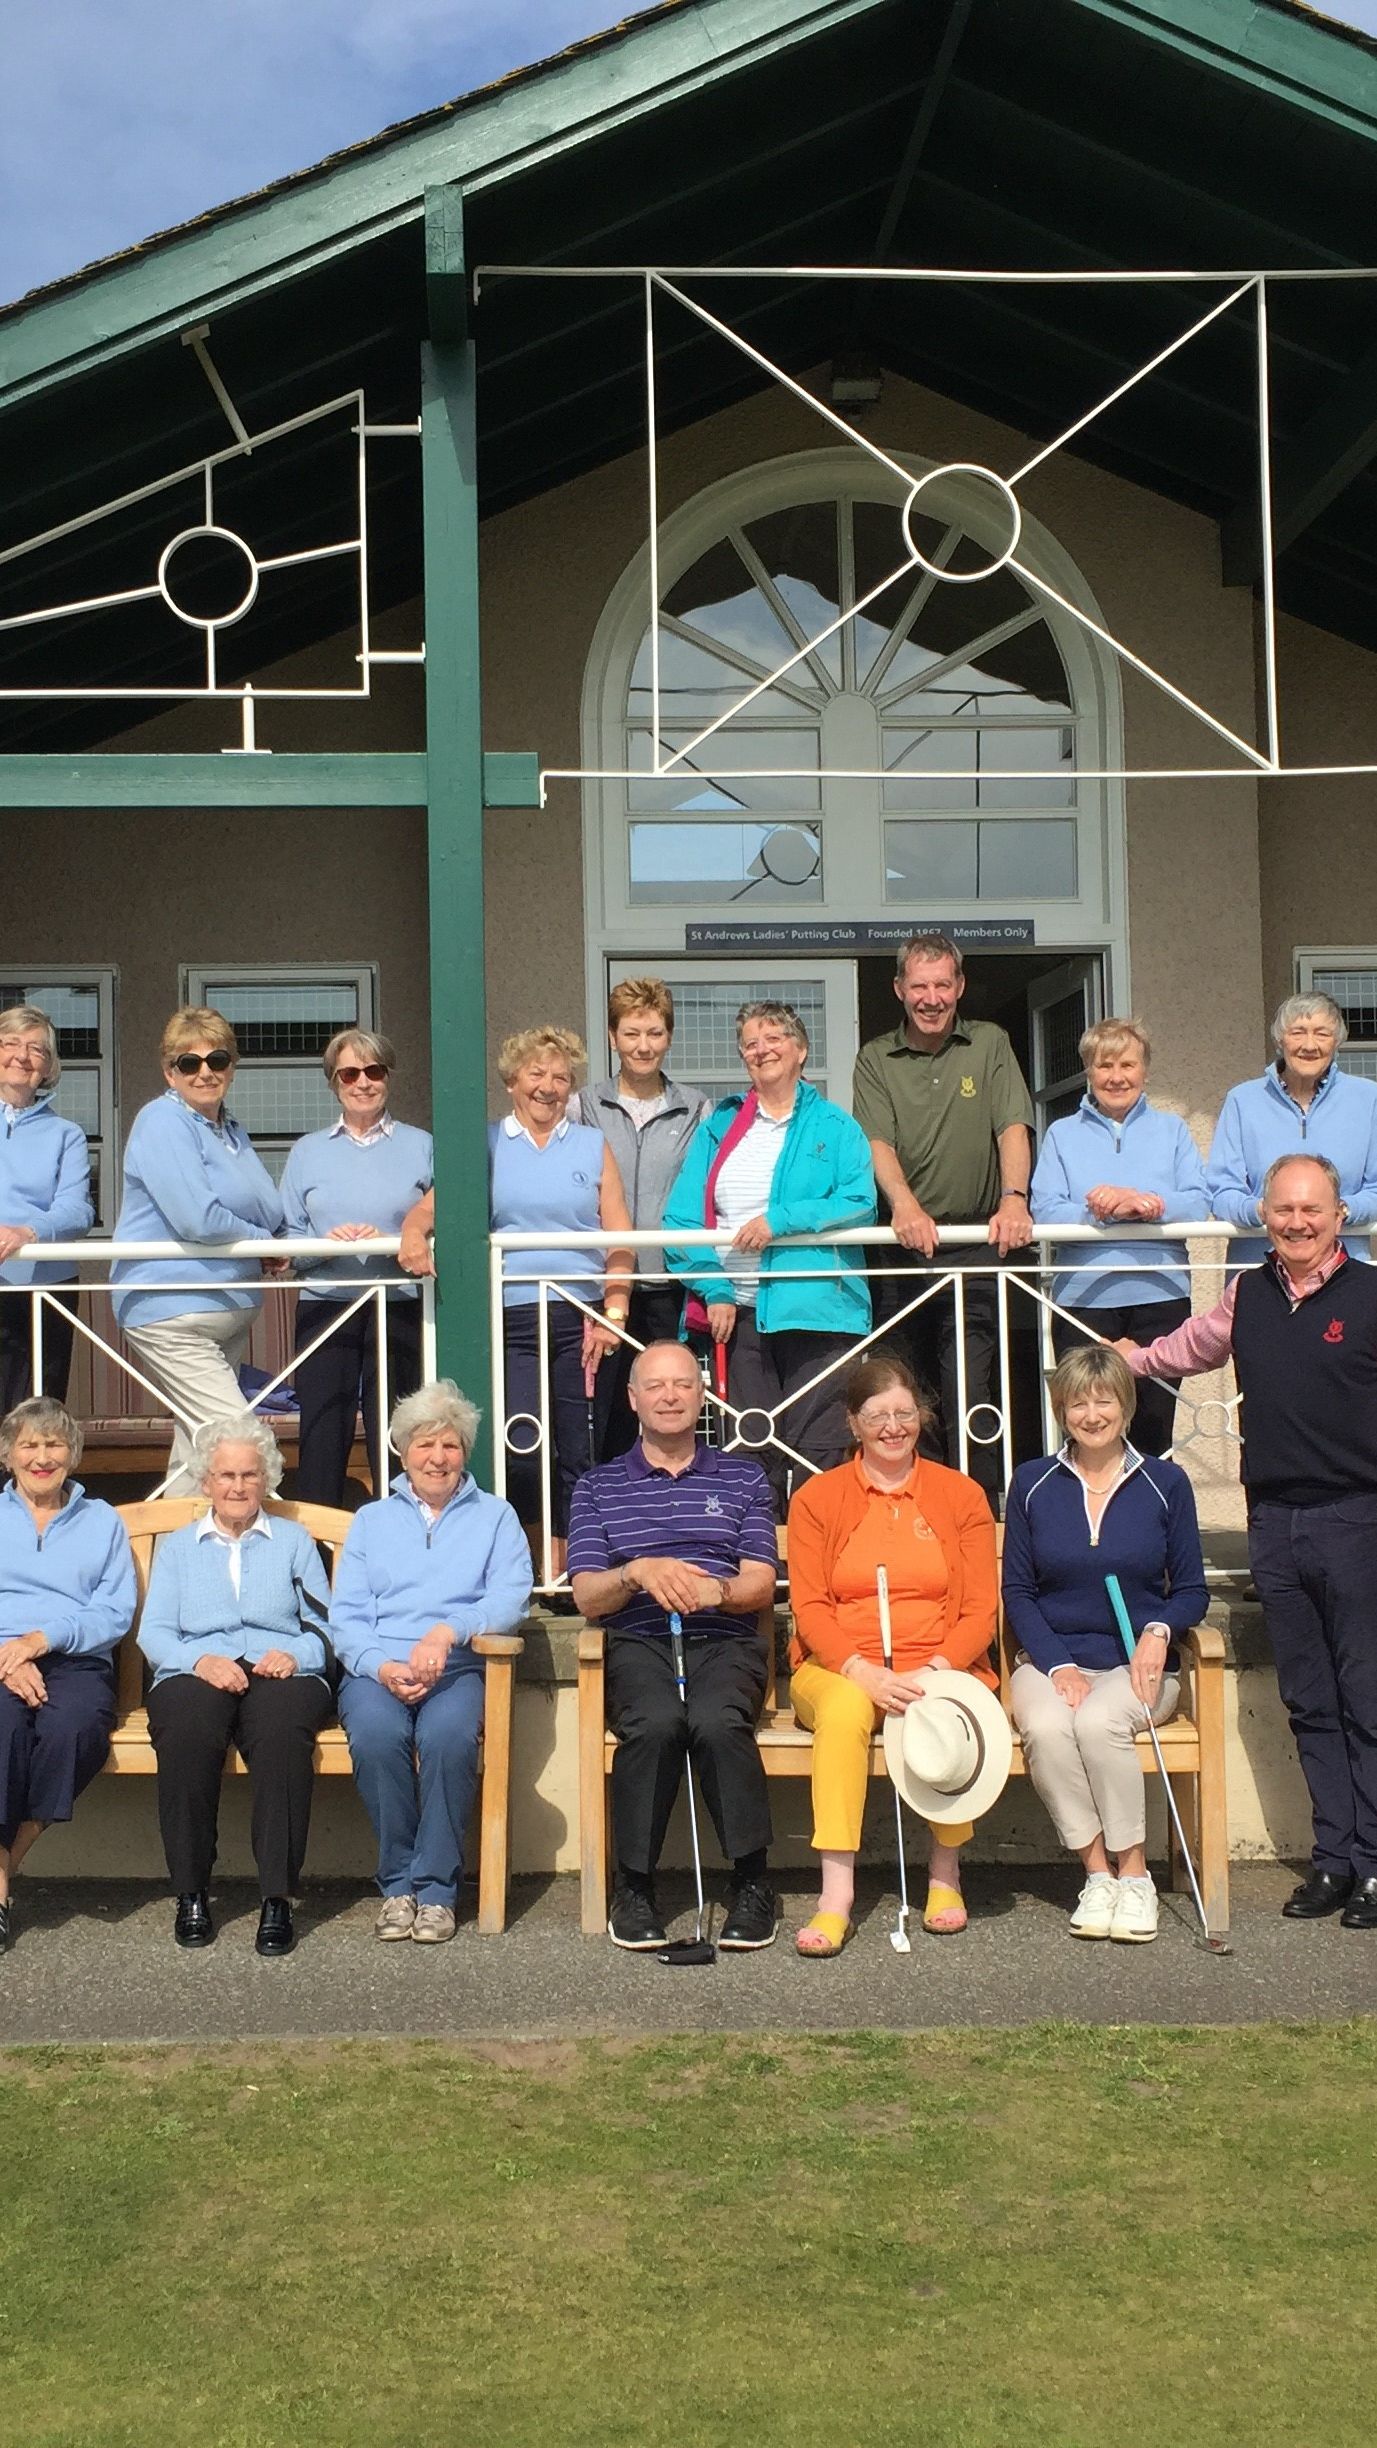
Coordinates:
<point>352,1073</point>
<point>190,1064</point>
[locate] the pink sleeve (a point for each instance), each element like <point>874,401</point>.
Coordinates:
<point>1204,1342</point>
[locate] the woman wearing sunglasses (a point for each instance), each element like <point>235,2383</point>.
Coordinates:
<point>190,1174</point>
<point>348,1184</point>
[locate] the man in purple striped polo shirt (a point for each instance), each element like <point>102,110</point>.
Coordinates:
<point>675,1527</point>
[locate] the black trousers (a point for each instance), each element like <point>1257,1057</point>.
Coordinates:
<point>343,1374</point>
<point>577,1439</point>
<point>765,1371</point>
<point>16,1348</point>
<point>275,1726</point>
<point>653,1316</point>
<point>928,1339</point>
<point>1315,1567</point>
<point>1154,1418</point>
<point>49,1754</point>
<point>725,1683</point>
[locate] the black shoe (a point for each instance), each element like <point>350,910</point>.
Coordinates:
<point>1324,1891</point>
<point>4,1929</point>
<point>193,1926</point>
<point>752,1916</point>
<point>1360,1912</point>
<point>634,1921</point>
<point>276,1935</point>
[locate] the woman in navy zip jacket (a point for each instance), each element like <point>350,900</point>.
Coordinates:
<point>1098,1507</point>
<point>1119,1160</point>
<point>66,1601</point>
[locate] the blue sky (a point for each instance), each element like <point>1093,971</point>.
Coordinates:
<point>121,117</point>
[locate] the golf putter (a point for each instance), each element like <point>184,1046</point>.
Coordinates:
<point>898,1938</point>
<point>694,1950</point>
<point>1210,1939</point>
<point>590,1396</point>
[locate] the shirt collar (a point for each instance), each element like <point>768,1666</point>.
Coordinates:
<point>518,1130</point>
<point>1317,1276</point>
<point>381,1129</point>
<point>704,1458</point>
<point>906,1487</point>
<point>960,1035</point>
<point>208,1528</point>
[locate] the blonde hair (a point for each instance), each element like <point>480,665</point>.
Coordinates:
<point>518,1049</point>
<point>1093,1368</point>
<point>28,1016</point>
<point>195,1024</point>
<point>1104,1038</point>
<point>640,994</point>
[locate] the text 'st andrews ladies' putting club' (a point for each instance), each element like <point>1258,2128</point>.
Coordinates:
<point>694,1950</point>
<point>898,1938</point>
<point>1214,1940</point>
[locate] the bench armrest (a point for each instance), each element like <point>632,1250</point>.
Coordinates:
<point>1206,1644</point>
<point>592,1645</point>
<point>497,1644</point>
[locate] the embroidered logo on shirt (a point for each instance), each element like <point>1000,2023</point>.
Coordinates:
<point>1334,1331</point>
<point>967,1084</point>
<point>712,1504</point>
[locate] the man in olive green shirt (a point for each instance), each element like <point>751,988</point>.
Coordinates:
<point>949,1120</point>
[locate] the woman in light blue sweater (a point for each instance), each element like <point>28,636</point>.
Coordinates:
<point>359,1178</point>
<point>424,1571</point>
<point>190,1174</point>
<point>234,1628</point>
<point>66,1601</point>
<point>45,1195</point>
<point>1119,1160</point>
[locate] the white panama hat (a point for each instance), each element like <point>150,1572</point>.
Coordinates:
<point>950,1753</point>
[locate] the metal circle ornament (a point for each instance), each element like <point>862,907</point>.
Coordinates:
<point>752,1436</point>
<point>789,855</point>
<point>980,1436</point>
<point>940,475</point>
<point>523,1419</point>
<point>206,620</point>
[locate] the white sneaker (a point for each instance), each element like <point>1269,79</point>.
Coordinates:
<point>433,1925</point>
<point>396,1918</point>
<point>1094,1913</point>
<point>1135,1911</point>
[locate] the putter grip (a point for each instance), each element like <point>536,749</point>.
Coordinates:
<point>1116,1600</point>
<point>886,1633</point>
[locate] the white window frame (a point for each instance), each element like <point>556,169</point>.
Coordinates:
<point>201,980</point>
<point>1309,959</point>
<point>35,976</point>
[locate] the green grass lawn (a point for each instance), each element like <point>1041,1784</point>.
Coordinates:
<point>1052,2238</point>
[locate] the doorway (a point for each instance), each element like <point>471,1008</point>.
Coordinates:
<point>1044,1001</point>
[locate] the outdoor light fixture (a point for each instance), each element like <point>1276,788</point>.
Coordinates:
<point>855,380</point>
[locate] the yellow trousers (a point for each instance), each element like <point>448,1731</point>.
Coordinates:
<point>842,1720</point>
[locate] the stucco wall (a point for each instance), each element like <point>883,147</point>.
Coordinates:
<point>1318,837</point>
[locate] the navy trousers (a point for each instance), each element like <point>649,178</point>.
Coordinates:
<point>49,1754</point>
<point>1315,1567</point>
<point>577,1440</point>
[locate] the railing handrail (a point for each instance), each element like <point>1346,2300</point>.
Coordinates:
<point>868,1236</point>
<point>297,1245</point>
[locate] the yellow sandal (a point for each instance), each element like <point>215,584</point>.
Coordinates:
<point>834,1927</point>
<point>944,1914</point>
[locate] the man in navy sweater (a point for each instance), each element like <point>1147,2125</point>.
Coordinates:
<point>1302,1332</point>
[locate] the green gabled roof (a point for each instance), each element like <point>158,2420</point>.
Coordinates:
<point>1043,134</point>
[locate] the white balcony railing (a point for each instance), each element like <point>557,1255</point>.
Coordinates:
<point>1023,1291</point>
<point>107,1368</point>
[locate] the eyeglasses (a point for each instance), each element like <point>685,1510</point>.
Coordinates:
<point>349,1074</point>
<point>888,1419</point>
<point>190,1064</point>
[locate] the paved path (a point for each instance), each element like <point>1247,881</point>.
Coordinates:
<point>95,1962</point>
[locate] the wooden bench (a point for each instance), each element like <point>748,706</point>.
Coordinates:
<point>1192,1747</point>
<point>131,1748</point>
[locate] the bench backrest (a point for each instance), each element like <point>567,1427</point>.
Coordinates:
<point>152,1519</point>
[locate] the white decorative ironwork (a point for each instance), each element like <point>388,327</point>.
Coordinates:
<point>1241,288</point>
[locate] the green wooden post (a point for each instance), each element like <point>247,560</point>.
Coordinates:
<point>454,765</point>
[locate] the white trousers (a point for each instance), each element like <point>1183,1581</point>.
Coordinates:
<point>192,1360</point>
<point>1083,1761</point>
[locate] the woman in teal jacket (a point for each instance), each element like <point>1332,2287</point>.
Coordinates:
<point>781,1159</point>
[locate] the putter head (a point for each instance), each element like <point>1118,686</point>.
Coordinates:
<point>900,1941</point>
<point>682,1952</point>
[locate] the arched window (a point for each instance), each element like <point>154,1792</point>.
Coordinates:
<point>926,759</point>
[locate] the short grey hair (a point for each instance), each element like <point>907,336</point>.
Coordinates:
<point>1298,1007</point>
<point>931,945</point>
<point>41,1412</point>
<point>780,1015</point>
<point>434,1406</point>
<point>1303,1156</point>
<point>21,1016</point>
<point>372,1048</point>
<point>237,1428</point>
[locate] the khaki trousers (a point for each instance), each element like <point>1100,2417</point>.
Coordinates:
<point>1083,1761</point>
<point>192,1360</point>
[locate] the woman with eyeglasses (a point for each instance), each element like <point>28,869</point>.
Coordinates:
<point>190,1174</point>
<point>359,1178</point>
<point>932,1530</point>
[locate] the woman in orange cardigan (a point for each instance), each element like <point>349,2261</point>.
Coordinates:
<point>932,1530</point>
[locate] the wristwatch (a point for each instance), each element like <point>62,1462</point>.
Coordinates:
<point>1005,1191</point>
<point>615,1314</point>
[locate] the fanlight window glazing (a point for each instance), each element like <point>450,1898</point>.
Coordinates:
<point>956,694</point>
